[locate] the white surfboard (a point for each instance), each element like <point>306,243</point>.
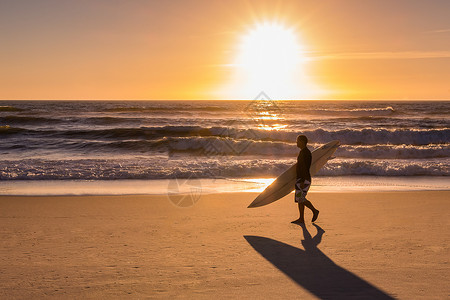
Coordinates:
<point>285,183</point>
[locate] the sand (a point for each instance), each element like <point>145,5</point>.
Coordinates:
<point>379,245</point>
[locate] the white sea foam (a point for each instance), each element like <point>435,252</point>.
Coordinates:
<point>208,168</point>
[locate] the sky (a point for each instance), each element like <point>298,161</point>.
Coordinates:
<point>192,49</point>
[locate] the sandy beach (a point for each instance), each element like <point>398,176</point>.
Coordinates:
<point>379,245</point>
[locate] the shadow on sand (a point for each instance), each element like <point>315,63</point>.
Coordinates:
<point>313,270</point>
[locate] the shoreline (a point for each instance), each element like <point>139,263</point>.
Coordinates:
<point>123,187</point>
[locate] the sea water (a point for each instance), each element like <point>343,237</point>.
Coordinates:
<point>219,142</point>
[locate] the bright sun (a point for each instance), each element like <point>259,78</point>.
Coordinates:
<point>269,58</point>
<point>268,47</point>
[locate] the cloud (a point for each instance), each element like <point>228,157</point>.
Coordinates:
<point>382,55</point>
<point>440,30</point>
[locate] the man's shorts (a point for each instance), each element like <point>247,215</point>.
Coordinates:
<point>300,194</point>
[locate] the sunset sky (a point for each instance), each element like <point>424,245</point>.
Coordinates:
<point>107,49</point>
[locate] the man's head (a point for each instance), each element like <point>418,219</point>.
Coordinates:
<point>302,140</point>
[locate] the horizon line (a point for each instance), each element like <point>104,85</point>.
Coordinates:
<point>273,99</point>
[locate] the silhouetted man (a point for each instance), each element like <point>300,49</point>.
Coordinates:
<point>303,180</point>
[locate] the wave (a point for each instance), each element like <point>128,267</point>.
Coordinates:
<point>137,109</point>
<point>221,146</point>
<point>345,136</point>
<point>27,120</point>
<point>121,133</point>
<point>217,146</point>
<point>159,168</point>
<point>171,109</point>
<point>388,108</point>
<point>393,121</point>
<point>31,120</point>
<point>109,120</point>
<point>6,130</point>
<point>387,168</point>
<point>383,136</point>
<point>382,111</point>
<point>395,152</point>
<point>9,108</point>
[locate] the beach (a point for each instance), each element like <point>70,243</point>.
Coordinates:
<point>365,244</point>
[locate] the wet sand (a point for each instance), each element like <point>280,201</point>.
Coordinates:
<point>366,244</point>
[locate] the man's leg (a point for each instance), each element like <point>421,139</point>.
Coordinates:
<point>309,205</point>
<point>301,209</point>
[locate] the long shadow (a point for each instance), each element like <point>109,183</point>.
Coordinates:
<point>313,270</point>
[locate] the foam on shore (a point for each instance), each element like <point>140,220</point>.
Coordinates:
<point>210,186</point>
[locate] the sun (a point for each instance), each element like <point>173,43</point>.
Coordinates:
<point>269,57</point>
<point>268,47</point>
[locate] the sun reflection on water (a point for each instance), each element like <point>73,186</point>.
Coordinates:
<point>267,115</point>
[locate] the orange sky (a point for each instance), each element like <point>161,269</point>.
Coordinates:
<point>64,49</point>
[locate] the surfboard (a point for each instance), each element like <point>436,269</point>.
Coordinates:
<point>285,183</point>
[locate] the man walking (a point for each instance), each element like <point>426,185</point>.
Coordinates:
<point>303,181</point>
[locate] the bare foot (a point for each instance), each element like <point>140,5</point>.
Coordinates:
<point>315,215</point>
<point>298,221</point>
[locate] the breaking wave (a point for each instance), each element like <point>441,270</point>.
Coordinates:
<point>346,136</point>
<point>89,169</point>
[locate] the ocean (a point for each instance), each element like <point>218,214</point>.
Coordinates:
<point>223,140</point>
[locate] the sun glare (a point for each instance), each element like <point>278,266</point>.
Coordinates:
<point>270,58</point>
<point>268,47</point>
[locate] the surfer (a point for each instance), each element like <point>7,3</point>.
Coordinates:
<point>303,180</point>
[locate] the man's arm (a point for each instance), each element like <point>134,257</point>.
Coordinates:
<point>308,161</point>
<point>300,164</point>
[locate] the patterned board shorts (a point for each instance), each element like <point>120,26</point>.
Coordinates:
<point>300,194</point>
